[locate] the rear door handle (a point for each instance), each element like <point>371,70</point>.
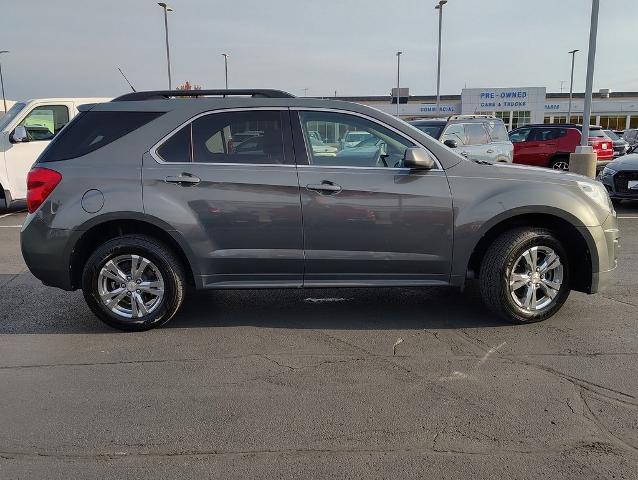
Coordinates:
<point>324,187</point>
<point>183,179</point>
<point>490,151</point>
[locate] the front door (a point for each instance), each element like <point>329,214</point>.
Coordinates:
<point>367,220</point>
<point>42,123</point>
<point>227,182</point>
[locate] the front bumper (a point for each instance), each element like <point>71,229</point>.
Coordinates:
<point>605,260</point>
<point>617,185</point>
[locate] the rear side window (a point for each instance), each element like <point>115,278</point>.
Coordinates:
<point>476,134</point>
<point>547,134</point>
<point>249,137</point>
<point>89,131</point>
<point>497,131</point>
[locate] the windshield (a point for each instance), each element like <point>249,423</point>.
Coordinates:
<point>432,130</point>
<point>612,135</point>
<point>10,115</point>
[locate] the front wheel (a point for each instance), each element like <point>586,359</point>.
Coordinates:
<point>133,283</point>
<point>560,163</point>
<point>524,276</point>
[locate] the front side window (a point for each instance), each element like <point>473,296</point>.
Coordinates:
<point>45,121</point>
<point>455,132</point>
<point>497,131</point>
<point>353,141</point>
<point>249,137</point>
<point>519,136</point>
<point>476,134</point>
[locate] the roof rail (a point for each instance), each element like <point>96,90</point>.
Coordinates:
<point>469,116</point>
<point>165,94</point>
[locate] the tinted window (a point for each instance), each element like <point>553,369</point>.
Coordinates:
<point>432,130</point>
<point>497,131</point>
<point>178,147</point>
<point>546,134</point>
<point>92,130</point>
<point>476,134</point>
<point>378,147</point>
<point>45,121</point>
<point>219,138</point>
<point>455,132</point>
<point>517,136</point>
<point>597,132</point>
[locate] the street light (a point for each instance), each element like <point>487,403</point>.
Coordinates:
<point>439,7</point>
<point>4,100</point>
<point>589,84</point>
<point>168,53</point>
<point>398,79</point>
<point>225,55</point>
<point>571,86</point>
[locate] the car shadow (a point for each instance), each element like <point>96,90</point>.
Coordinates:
<point>337,309</point>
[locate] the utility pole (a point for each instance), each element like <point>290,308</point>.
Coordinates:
<point>4,100</point>
<point>225,55</point>
<point>439,7</point>
<point>589,84</point>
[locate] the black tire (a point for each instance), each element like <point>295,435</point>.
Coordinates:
<point>171,269</point>
<point>497,264</point>
<point>556,163</point>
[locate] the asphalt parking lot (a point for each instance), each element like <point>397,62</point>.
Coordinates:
<point>392,383</point>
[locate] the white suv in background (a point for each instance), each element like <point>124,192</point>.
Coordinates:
<point>477,137</point>
<point>25,130</point>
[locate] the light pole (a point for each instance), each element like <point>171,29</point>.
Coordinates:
<point>4,100</point>
<point>439,7</point>
<point>225,55</point>
<point>168,53</point>
<point>571,86</point>
<point>398,79</point>
<point>589,84</point>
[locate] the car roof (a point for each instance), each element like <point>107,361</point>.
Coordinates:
<point>577,126</point>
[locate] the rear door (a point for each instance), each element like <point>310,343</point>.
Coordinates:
<point>367,220</point>
<point>42,123</point>
<point>520,138</point>
<point>235,203</point>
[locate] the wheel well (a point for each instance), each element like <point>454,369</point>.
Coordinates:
<point>558,156</point>
<point>575,245</point>
<point>103,232</point>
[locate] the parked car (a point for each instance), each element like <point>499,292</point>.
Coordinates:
<point>620,146</point>
<point>321,148</point>
<point>631,136</point>
<point>549,145</point>
<point>352,139</point>
<point>372,151</point>
<point>25,131</point>
<point>477,137</point>
<point>138,198</point>
<point>620,178</point>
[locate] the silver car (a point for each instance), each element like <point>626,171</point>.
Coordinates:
<point>477,137</point>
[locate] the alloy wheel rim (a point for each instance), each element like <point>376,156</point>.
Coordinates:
<point>536,279</point>
<point>131,286</point>
<point>561,166</point>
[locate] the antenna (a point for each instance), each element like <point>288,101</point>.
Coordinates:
<point>129,83</point>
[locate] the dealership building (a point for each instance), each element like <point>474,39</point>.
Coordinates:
<point>516,106</point>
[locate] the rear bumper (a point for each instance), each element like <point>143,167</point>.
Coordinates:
<point>46,252</point>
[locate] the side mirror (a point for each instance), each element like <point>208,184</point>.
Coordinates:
<point>418,159</point>
<point>451,143</point>
<point>19,135</point>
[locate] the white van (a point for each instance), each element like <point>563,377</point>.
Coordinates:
<point>39,121</point>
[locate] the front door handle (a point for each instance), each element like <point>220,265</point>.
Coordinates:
<point>183,179</point>
<point>324,187</point>
<point>490,151</point>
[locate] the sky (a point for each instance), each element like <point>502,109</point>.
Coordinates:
<point>73,47</point>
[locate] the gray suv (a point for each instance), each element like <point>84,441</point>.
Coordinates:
<point>477,137</point>
<point>140,198</point>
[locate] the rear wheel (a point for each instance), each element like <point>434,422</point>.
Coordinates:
<point>524,275</point>
<point>133,283</point>
<point>560,163</point>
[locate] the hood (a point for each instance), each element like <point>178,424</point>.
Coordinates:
<point>626,162</point>
<point>521,172</point>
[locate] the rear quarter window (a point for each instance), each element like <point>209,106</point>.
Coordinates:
<point>89,131</point>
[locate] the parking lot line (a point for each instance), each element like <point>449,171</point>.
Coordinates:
<point>10,226</point>
<point>633,218</point>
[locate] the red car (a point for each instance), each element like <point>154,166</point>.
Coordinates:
<point>549,145</point>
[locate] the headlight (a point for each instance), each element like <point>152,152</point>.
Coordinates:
<point>608,171</point>
<point>598,194</point>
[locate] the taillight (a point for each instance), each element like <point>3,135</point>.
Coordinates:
<point>40,183</point>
